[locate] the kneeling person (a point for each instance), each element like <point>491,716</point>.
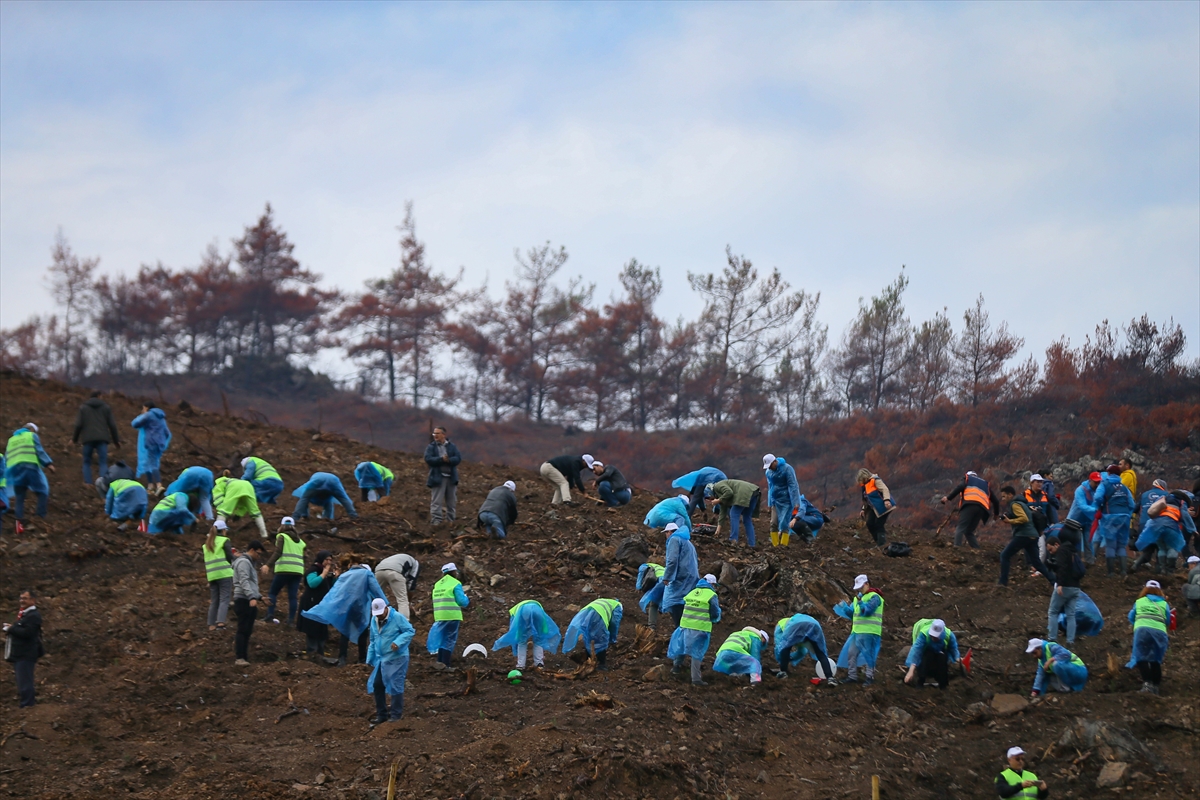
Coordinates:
<point>934,649</point>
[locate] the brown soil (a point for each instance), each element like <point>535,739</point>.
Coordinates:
<point>138,699</point>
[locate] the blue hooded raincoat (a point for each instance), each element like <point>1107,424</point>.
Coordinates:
<point>322,489</point>
<point>347,605</point>
<point>154,437</point>
<point>694,643</point>
<point>528,620</point>
<point>393,664</point>
<point>683,569</point>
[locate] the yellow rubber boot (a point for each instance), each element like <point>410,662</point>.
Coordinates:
<point>784,538</point>
<point>775,538</point>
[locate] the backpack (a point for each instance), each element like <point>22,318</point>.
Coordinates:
<point>1039,518</point>
<point>897,550</point>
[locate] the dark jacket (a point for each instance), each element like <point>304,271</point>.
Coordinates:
<point>614,477</point>
<point>1062,565</point>
<point>570,467</point>
<point>308,600</point>
<point>25,638</point>
<point>435,462</point>
<point>992,498</point>
<point>1020,512</point>
<point>94,423</point>
<point>502,502</point>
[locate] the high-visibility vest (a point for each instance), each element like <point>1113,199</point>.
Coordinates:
<point>292,557</point>
<point>695,609</point>
<point>1172,512</point>
<point>168,502</point>
<point>740,642</point>
<point>121,484</point>
<point>1048,659</point>
<point>236,496</point>
<point>218,492</point>
<point>1150,614</point>
<point>263,470</point>
<point>21,450</point>
<point>870,490</point>
<point>872,624</point>
<point>215,565</point>
<point>384,473</point>
<point>445,607</point>
<point>658,569</point>
<point>976,491</point>
<point>1030,497</point>
<point>605,609</point>
<point>512,612</point>
<point>1013,779</point>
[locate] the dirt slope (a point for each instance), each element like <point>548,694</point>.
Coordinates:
<point>137,699</point>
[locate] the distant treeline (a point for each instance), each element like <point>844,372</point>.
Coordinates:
<point>547,351</point>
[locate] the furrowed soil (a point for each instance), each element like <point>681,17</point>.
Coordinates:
<point>138,699</point>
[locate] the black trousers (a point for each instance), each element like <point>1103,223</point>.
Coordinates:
<point>1151,671</point>
<point>877,526</point>
<point>363,641</point>
<point>970,517</point>
<point>246,615</point>
<point>1030,547</point>
<point>934,665</point>
<point>26,688</point>
<point>676,613</point>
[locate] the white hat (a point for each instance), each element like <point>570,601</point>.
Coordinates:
<point>670,526</point>
<point>711,578</point>
<point>1153,585</point>
<point>377,606</point>
<point>245,461</point>
<point>449,567</point>
<point>1034,644</point>
<point>768,460</point>
<point>687,498</point>
<point>287,521</point>
<point>861,581</point>
<point>1035,477</point>
<point>588,460</point>
<point>595,464</point>
<point>512,487</point>
<point>973,474</point>
<point>937,628</point>
<point>220,525</point>
<point>761,634</point>
<point>1193,559</point>
<point>1015,751</point>
<point>31,427</point>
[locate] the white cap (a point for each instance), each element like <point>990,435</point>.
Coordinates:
<point>861,581</point>
<point>1193,559</point>
<point>449,567</point>
<point>31,427</point>
<point>287,521</point>
<point>1035,477</point>
<point>937,628</point>
<point>687,498</point>
<point>588,460</point>
<point>377,606</point>
<point>1034,644</point>
<point>973,474</point>
<point>711,578</point>
<point>595,464</point>
<point>220,525</point>
<point>761,634</point>
<point>1015,751</point>
<point>768,460</point>
<point>1153,585</point>
<point>512,487</point>
<point>670,526</point>
<point>245,461</point>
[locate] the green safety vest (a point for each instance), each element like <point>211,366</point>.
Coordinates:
<point>168,502</point>
<point>1150,614</point>
<point>263,470</point>
<point>1013,779</point>
<point>387,474</point>
<point>234,496</point>
<point>292,557</point>
<point>658,570</point>
<point>21,450</point>
<point>740,643</point>
<point>695,609</point>
<point>1048,659</point>
<point>445,607</point>
<point>215,565</point>
<point>872,624</point>
<point>512,612</point>
<point>605,609</point>
<point>121,485</point>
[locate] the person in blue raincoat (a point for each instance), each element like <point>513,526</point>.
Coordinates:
<point>1116,505</point>
<point>808,522</point>
<point>322,489</point>
<point>154,437</point>
<point>449,600</point>
<point>1088,619</point>
<point>692,637</point>
<point>1168,527</point>
<point>528,621</point>
<point>798,636</point>
<point>673,509</point>
<point>1151,616</point>
<point>387,653</point>
<point>1059,670</point>
<point>783,497</point>
<point>373,477</point>
<point>596,625</point>
<point>934,650</point>
<point>24,460</point>
<point>347,607</point>
<point>681,572</point>
<point>866,632</point>
<point>741,654</point>
<point>199,480</point>
<point>649,583</point>
<point>694,482</point>
<point>263,477</point>
<point>125,500</point>
<point>1083,512</point>
<point>171,514</point>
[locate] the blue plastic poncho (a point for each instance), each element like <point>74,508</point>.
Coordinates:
<point>683,569</point>
<point>1147,500</point>
<point>265,489</point>
<point>1088,619</point>
<point>1073,676</point>
<point>948,643</point>
<point>700,477</point>
<point>673,509</point>
<point>811,516</point>
<point>171,519</point>
<point>322,489</point>
<point>369,477</point>
<point>528,620</point>
<point>1083,508</point>
<point>804,635</point>
<point>443,635</point>
<point>655,595</point>
<point>731,662</point>
<point>861,649</point>
<point>783,492</point>
<point>588,625</point>
<point>1148,644</point>
<point>1117,505</point>
<point>689,642</point>
<point>28,476</point>
<point>199,480</point>
<point>347,606</point>
<point>154,437</point>
<point>393,664</point>
<point>129,504</point>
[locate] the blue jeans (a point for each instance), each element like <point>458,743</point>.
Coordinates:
<point>493,524</point>
<point>612,498</point>
<point>1062,604</point>
<point>743,516</point>
<point>292,581</point>
<point>101,451</point>
<point>19,504</point>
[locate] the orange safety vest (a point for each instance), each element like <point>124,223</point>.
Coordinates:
<point>1030,498</point>
<point>1173,512</point>
<point>976,492</point>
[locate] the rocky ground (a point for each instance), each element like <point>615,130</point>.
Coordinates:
<point>138,699</point>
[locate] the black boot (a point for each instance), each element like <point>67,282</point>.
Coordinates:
<point>1109,564</point>
<point>1124,565</point>
<point>397,707</point>
<point>602,661</point>
<point>1142,559</point>
<point>1171,566</point>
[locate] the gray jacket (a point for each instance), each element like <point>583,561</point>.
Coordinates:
<point>1191,589</point>
<point>245,578</point>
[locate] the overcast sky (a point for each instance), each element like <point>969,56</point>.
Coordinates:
<point>1046,155</point>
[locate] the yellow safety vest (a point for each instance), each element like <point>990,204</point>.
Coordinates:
<point>740,642</point>
<point>121,485</point>
<point>385,473</point>
<point>263,470</point>
<point>512,612</point>
<point>445,607</point>
<point>292,557</point>
<point>1013,779</point>
<point>695,609</point>
<point>604,608</point>
<point>1150,614</point>
<point>657,569</point>
<point>215,565</point>
<point>21,450</point>
<point>872,624</point>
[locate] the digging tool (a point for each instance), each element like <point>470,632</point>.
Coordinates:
<point>949,516</point>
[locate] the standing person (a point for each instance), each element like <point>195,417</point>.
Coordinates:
<point>1019,517</point>
<point>96,429</point>
<point>529,622</point>
<point>1116,505</point>
<point>974,508</point>
<point>1083,512</point>
<point>218,569</point>
<point>1128,476</point>
<point>1059,670</point>
<point>739,504</point>
<point>318,580</point>
<point>200,481</point>
<point>1151,617</point>
<point>443,459</point>
<point>1064,564</point>
<point>673,509</point>
<point>596,625</point>
<point>876,504</point>
<point>288,561</point>
<point>783,497</point>
<point>1147,545</point>
<point>701,609</point>
<point>398,574</point>
<point>374,480</point>
<point>171,514</point>
<point>741,654</point>
<point>866,631</point>
<point>611,485</point>
<point>24,460</point>
<point>449,600</point>
<point>263,477</point>
<point>563,473</point>
<point>23,647</point>
<point>1053,499</point>
<point>1191,589</point>
<point>322,489</point>
<point>347,607</point>
<point>1018,782</point>
<point>694,484</point>
<point>681,571</point>
<point>934,650</point>
<point>154,437</point>
<point>388,654</point>
<point>650,584</point>
<point>235,498</point>
<point>125,500</point>
<point>245,598</point>
<point>499,510</point>
<point>1039,504</point>
<point>797,636</point>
